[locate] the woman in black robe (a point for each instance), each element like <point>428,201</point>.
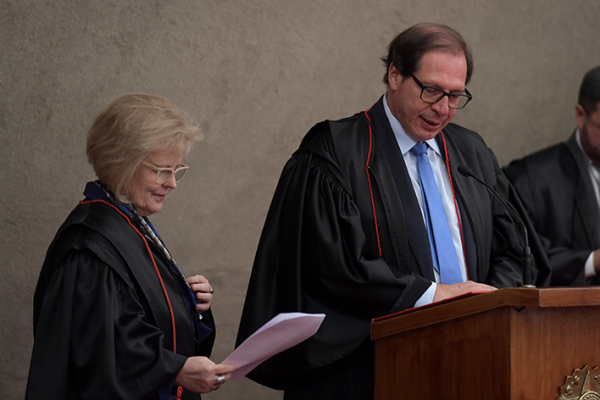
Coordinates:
<point>114,315</point>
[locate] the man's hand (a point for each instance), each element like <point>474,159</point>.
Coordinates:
<point>596,260</point>
<point>444,291</point>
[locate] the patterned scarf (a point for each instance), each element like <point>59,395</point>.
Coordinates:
<point>148,230</point>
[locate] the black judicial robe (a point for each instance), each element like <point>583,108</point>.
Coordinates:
<point>101,321</point>
<point>344,236</point>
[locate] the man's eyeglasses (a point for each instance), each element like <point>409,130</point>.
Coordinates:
<point>432,95</point>
<point>164,174</point>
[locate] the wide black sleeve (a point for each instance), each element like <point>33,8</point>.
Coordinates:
<point>92,339</point>
<point>311,259</point>
<point>567,263</point>
<point>506,264</point>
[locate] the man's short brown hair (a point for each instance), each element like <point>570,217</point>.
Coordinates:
<point>407,49</point>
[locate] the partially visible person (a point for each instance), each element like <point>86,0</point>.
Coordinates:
<point>114,315</point>
<point>559,187</point>
<point>371,216</point>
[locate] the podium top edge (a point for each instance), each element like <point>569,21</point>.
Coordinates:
<point>474,303</point>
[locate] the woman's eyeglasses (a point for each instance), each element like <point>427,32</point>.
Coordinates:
<point>164,174</point>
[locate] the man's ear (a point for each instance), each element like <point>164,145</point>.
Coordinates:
<point>394,77</point>
<point>580,116</point>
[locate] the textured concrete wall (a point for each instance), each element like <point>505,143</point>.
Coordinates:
<point>257,75</point>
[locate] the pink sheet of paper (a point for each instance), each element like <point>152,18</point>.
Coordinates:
<point>280,333</point>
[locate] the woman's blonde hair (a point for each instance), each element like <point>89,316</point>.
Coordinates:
<point>131,128</point>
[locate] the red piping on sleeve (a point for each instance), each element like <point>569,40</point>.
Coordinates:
<point>369,180</point>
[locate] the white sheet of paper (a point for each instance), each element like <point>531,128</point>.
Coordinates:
<point>280,333</point>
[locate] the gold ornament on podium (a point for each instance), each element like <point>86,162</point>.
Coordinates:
<point>584,384</point>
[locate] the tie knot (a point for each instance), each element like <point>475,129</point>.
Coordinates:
<point>419,148</point>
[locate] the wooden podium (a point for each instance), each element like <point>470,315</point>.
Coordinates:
<point>515,343</point>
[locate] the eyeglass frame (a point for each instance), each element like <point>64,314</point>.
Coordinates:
<point>173,172</point>
<point>423,87</point>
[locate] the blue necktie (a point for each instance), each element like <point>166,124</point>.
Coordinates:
<point>443,252</point>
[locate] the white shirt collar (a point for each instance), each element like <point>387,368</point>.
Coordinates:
<point>578,139</point>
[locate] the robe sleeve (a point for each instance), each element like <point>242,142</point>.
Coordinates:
<point>92,339</point>
<point>312,258</point>
<point>568,264</point>
<point>508,241</point>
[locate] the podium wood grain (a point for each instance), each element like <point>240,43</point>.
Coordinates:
<point>508,344</point>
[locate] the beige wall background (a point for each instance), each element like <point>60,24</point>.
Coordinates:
<point>257,75</point>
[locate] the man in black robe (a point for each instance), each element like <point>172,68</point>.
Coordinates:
<point>560,189</point>
<point>345,234</point>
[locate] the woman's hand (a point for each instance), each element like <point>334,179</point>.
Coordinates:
<point>202,291</point>
<point>200,375</point>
